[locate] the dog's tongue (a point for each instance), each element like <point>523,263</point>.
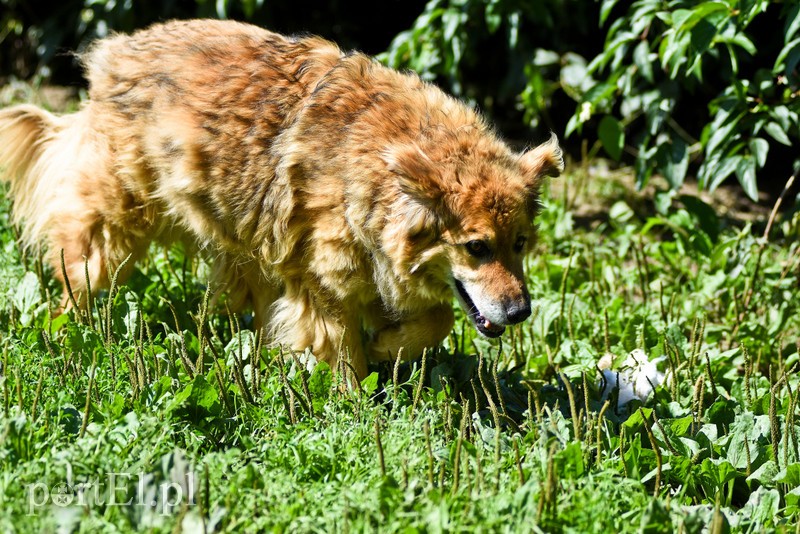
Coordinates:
<point>490,326</point>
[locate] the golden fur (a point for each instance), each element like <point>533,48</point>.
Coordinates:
<point>343,201</point>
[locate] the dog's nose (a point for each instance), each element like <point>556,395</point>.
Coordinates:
<point>518,311</point>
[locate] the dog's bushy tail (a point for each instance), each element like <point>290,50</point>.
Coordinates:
<point>34,154</point>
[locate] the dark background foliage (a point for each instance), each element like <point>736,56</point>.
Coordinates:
<point>38,36</point>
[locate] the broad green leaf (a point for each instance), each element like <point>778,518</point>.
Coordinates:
<point>605,10</point>
<point>792,24</point>
<point>790,475</point>
<point>763,505</point>
<point>493,16</point>
<point>765,474</point>
<point>570,461</point>
<point>746,173</point>
<point>370,383</point>
<point>723,133</point>
<point>680,16</point>
<point>320,381</point>
<point>718,472</point>
<point>641,58</point>
<point>673,53</point>
<point>741,40</point>
<point>785,116</point>
<point>199,398</point>
<point>777,133</point>
<point>27,293</point>
<point>689,18</point>
<point>725,169</point>
<point>240,347</point>
<point>673,159</point>
<point>793,501</point>
<point>787,50</point>
<point>704,214</point>
<point>129,310</point>
<point>702,35</point>
<point>612,136</point>
<point>759,149</point>
<point>610,50</point>
<point>722,411</point>
<point>579,356</point>
<point>681,426</point>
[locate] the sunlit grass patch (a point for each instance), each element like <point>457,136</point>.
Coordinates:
<point>160,410</point>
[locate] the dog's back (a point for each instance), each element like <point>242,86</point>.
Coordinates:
<point>194,106</point>
<point>174,139</point>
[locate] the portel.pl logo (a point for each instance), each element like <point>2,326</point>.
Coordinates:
<point>115,489</point>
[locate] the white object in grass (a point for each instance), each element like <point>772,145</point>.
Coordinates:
<point>636,379</point>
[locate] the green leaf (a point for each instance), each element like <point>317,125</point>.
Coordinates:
<point>746,173</point>
<point>705,215</point>
<point>793,501</point>
<point>724,132</point>
<point>742,41</point>
<point>673,53</point>
<point>605,10</point>
<point>759,149</point>
<point>27,293</point>
<point>681,426</point>
<point>452,20</point>
<point>765,474</point>
<point>641,58</point>
<point>687,21</point>
<point>762,506</point>
<point>370,383</point>
<point>784,53</point>
<point>792,23</point>
<point>128,313</point>
<point>570,461</point>
<point>493,17</point>
<point>673,159</point>
<point>721,412</point>
<point>321,380</point>
<point>789,475</point>
<point>543,58</point>
<point>612,136</point>
<point>702,35</point>
<point>777,133</point>
<point>679,17</point>
<point>199,398</point>
<point>717,473</point>
<point>722,171</point>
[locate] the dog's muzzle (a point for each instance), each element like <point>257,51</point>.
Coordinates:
<point>482,324</point>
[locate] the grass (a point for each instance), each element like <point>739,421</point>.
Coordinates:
<point>156,412</point>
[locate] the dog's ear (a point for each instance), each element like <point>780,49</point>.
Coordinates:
<point>417,174</point>
<point>421,201</point>
<point>544,160</point>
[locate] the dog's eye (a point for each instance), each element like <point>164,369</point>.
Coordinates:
<point>519,245</point>
<point>478,248</point>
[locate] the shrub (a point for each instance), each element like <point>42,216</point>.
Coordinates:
<point>714,83</point>
<point>507,56</point>
<point>679,87</point>
<point>37,36</point>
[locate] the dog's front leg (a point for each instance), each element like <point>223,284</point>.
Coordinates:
<point>410,336</point>
<point>333,335</point>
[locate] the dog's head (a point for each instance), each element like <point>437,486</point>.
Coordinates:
<point>470,218</point>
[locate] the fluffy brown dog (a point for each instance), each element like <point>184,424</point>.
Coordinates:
<point>343,201</point>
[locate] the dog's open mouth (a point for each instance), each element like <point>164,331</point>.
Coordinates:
<point>482,324</point>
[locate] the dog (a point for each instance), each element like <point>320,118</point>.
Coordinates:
<point>344,202</point>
